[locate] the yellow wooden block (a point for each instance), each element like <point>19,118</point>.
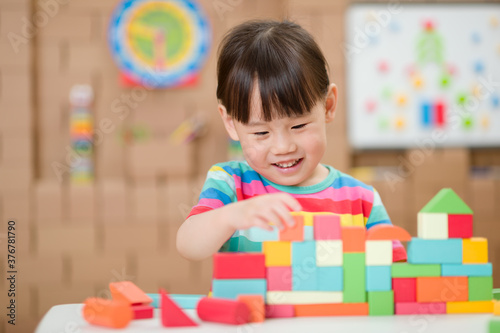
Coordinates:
<point>496,308</point>
<point>475,250</point>
<point>470,307</point>
<point>277,253</point>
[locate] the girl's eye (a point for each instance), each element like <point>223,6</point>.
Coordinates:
<point>299,126</point>
<point>261,133</point>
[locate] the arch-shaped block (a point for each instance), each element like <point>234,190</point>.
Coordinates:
<point>387,232</point>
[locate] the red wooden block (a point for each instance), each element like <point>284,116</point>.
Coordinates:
<point>142,311</point>
<point>224,311</point>
<point>279,278</point>
<point>171,314</point>
<point>239,266</point>
<point>405,289</point>
<point>295,233</point>
<point>419,308</point>
<point>280,311</point>
<point>327,227</point>
<point>388,232</point>
<point>128,292</point>
<point>353,239</point>
<point>459,225</point>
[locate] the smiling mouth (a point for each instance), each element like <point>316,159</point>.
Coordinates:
<point>288,165</point>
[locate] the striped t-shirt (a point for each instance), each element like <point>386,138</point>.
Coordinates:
<point>355,202</point>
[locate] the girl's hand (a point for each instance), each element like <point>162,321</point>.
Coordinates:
<point>262,210</point>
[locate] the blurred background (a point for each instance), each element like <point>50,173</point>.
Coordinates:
<point>90,212</point>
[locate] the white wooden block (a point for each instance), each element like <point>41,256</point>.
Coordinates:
<point>329,253</point>
<point>303,297</point>
<point>432,225</point>
<point>378,253</point>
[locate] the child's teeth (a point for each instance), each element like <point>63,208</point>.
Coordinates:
<point>287,165</point>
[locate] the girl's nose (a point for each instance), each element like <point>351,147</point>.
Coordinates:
<point>283,145</point>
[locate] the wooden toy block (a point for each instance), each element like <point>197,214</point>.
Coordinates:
<point>303,297</point>
<point>496,308</point>
<point>467,269</point>
<point>338,309</point>
<point>257,234</point>
<point>304,253</point>
<point>419,308</point>
<point>280,311</point>
<point>107,313</point>
<point>279,278</point>
<point>304,270</point>
<point>330,278</point>
<point>223,311</point>
<point>475,250</point>
<point>329,253</point>
<point>378,278</point>
<point>308,233</point>
<point>184,301</point>
<point>309,216</point>
<point>480,288</point>
<point>294,233</point>
<point>231,288</point>
<point>435,251</point>
<point>348,220</point>
<point>494,326</point>
<point>142,311</point>
<point>405,290</point>
<point>327,227</point>
<point>353,239</point>
<point>354,278</point>
<point>442,289</point>
<point>387,232</point>
<point>239,266</point>
<point>406,270</point>
<point>446,201</point>
<point>128,292</point>
<point>378,252</point>
<point>470,307</point>
<point>277,253</point>
<point>381,303</point>
<point>171,314</point>
<point>432,225</point>
<point>255,304</point>
<point>460,225</point>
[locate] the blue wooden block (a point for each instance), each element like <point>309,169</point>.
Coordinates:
<point>303,253</point>
<point>260,235</point>
<point>330,278</point>
<point>308,233</point>
<point>467,269</point>
<point>231,288</point>
<point>378,278</point>
<point>304,269</point>
<point>184,301</point>
<point>435,251</point>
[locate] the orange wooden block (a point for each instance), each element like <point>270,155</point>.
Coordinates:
<point>295,233</point>
<point>442,289</point>
<point>256,306</point>
<point>336,309</point>
<point>353,239</point>
<point>106,312</point>
<point>129,293</point>
<point>387,232</point>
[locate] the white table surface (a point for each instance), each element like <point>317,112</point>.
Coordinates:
<point>67,318</point>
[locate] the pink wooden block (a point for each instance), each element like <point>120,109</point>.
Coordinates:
<point>279,278</point>
<point>420,308</point>
<point>405,289</point>
<point>459,225</point>
<point>327,227</point>
<point>280,311</point>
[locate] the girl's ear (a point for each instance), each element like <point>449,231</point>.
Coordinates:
<point>228,122</point>
<point>331,102</point>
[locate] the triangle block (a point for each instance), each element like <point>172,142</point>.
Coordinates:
<point>171,314</point>
<point>446,201</point>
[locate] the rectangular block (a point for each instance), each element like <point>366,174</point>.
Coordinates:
<point>234,287</point>
<point>435,251</point>
<point>303,297</point>
<point>280,311</point>
<point>460,225</point>
<point>442,289</point>
<point>128,292</point>
<point>183,301</point>
<point>419,308</point>
<point>329,253</point>
<point>277,253</point>
<point>406,270</point>
<point>339,309</point>
<point>378,253</point>
<point>480,288</point>
<point>239,266</point>
<point>470,307</point>
<point>330,278</point>
<point>475,250</point>
<point>304,253</point>
<point>279,278</point>
<point>327,227</point>
<point>405,290</point>
<point>353,239</point>
<point>381,303</point>
<point>308,233</point>
<point>496,308</point>
<point>294,233</point>
<point>378,278</point>
<point>304,269</point>
<point>467,269</point>
<point>354,278</point>
<point>256,306</point>
<point>432,225</point>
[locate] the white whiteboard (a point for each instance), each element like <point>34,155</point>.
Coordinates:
<point>423,74</point>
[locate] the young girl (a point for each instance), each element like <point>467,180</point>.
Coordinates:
<point>274,97</point>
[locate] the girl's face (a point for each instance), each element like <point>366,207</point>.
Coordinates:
<point>286,151</point>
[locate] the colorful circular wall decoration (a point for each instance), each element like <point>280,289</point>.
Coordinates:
<point>159,43</point>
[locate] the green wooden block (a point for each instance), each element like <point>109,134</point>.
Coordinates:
<point>446,201</point>
<point>354,278</point>
<point>381,303</point>
<point>480,288</point>
<point>496,294</point>
<point>402,269</point>
<point>494,326</point>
